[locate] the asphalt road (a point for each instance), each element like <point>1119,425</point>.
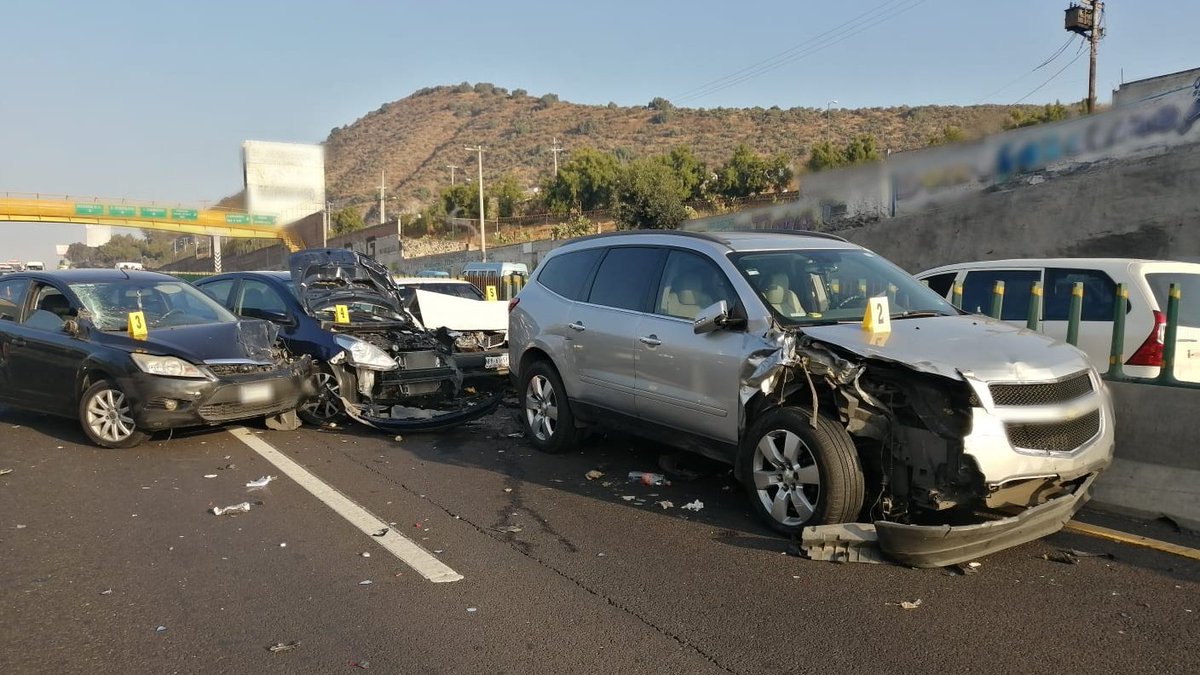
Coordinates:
<point>100,548</point>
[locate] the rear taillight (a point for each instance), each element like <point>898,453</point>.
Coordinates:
<point>512,304</point>
<point>1151,351</point>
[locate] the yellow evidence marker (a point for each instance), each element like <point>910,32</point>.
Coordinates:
<point>341,314</point>
<point>491,294</point>
<point>878,318</point>
<point>137,326</point>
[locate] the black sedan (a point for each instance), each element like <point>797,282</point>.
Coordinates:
<point>128,353</point>
<point>376,363</point>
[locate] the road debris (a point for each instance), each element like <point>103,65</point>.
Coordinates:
<point>646,478</point>
<point>511,529</point>
<point>21,526</point>
<point>963,569</point>
<point>5,472</point>
<point>261,482</point>
<point>472,610</point>
<point>693,506</point>
<point>358,664</point>
<point>107,591</point>
<point>906,604</point>
<point>628,498</point>
<point>1072,556</point>
<point>841,543</point>
<point>244,507</point>
<point>666,504</point>
<point>282,647</point>
<point>399,439</point>
<point>227,467</point>
<point>380,533</point>
<point>210,475</point>
<point>160,629</point>
<point>365,582</point>
<point>366,554</point>
<point>594,474</point>
<point>508,489</point>
<point>515,435</point>
<point>283,544</point>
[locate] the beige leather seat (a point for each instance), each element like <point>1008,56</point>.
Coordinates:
<point>781,297</point>
<point>686,297</point>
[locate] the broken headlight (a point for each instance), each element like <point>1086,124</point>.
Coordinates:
<point>362,354</point>
<point>167,366</point>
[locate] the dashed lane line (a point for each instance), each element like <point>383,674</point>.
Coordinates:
<point>408,551</point>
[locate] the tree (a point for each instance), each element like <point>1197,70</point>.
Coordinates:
<point>825,156</point>
<point>949,134</point>
<point>689,169</point>
<point>780,172</point>
<point>347,220</point>
<point>1052,112</point>
<point>862,148</point>
<point>508,193</point>
<point>648,197</point>
<point>745,174</point>
<point>462,198</point>
<point>585,183</point>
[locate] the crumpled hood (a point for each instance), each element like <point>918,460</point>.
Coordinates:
<point>321,275</point>
<point>974,345</point>
<point>248,340</point>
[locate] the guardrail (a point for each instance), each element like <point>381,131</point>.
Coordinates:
<point>1115,370</point>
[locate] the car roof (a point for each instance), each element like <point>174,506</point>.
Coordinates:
<point>274,274</point>
<point>719,242</point>
<point>430,280</point>
<point>90,276</point>
<point>1105,264</point>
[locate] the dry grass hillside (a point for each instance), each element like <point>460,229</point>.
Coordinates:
<point>414,139</point>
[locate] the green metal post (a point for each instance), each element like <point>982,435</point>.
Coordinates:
<point>1116,353</point>
<point>956,297</point>
<point>1034,319</point>
<point>997,300</point>
<point>1167,375</point>
<point>1076,313</point>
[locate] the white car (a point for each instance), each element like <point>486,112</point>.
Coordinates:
<point>1148,282</point>
<point>479,326</point>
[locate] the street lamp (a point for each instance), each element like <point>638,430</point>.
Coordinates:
<point>482,223</point>
<point>827,106</point>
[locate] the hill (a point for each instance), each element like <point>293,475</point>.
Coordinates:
<point>415,138</point>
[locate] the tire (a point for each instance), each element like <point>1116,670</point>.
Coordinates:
<point>326,406</point>
<point>797,476</point>
<point>106,417</point>
<point>545,410</point>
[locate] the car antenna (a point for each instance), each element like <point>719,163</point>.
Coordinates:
<point>125,272</point>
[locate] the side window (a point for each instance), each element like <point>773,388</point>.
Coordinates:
<point>979,284</point>
<point>1099,291</point>
<point>689,284</point>
<point>257,299</point>
<point>941,283</point>
<point>624,277</point>
<point>12,297</point>
<point>566,274</point>
<point>219,290</point>
<point>50,309</point>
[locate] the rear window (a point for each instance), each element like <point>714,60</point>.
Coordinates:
<point>941,283</point>
<point>625,277</point>
<point>566,274</point>
<point>1189,298</point>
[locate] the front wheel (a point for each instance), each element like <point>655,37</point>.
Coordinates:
<point>546,412</point>
<point>797,475</point>
<point>107,418</point>
<point>325,407</point>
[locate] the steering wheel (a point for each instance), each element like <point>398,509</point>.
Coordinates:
<point>852,301</point>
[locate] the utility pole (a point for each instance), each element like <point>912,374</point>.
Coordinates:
<point>1085,20</point>
<point>382,213</point>
<point>478,149</point>
<point>452,168</point>
<point>555,149</point>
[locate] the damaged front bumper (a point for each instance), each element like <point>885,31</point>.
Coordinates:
<point>942,545</point>
<point>470,407</point>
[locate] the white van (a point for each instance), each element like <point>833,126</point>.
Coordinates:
<point>1148,282</point>
<point>35,266</point>
<point>129,266</point>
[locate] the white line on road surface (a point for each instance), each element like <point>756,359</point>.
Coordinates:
<point>403,548</point>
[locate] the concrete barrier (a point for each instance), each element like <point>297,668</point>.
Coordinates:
<point>1156,470</point>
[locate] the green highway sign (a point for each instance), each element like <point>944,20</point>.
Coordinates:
<point>122,211</point>
<point>152,212</point>
<point>89,209</point>
<point>237,218</point>
<point>262,220</point>
<point>183,214</point>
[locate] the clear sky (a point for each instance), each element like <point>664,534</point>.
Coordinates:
<point>151,100</point>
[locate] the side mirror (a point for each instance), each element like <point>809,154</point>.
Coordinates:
<point>71,327</point>
<point>711,318</point>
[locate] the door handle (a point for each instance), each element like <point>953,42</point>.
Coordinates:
<point>578,325</point>
<point>651,340</point>
<point>19,342</point>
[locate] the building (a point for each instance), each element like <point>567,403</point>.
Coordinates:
<point>1185,82</point>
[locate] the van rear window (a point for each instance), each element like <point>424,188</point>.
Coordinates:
<point>1189,298</point>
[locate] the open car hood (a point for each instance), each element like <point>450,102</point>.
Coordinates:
<point>462,314</point>
<point>323,276</point>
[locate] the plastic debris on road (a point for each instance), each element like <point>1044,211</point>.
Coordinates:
<point>261,482</point>
<point>5,472</point>
<point>472,609</point>
<point>160,629</point>
<point>366,554</point>
<point>1072,556</point>
<point>363,665</point>
<point>628,498</point>
<point>107,591</point>
<point>508,489</point>
<point>511,529</point>
<point>693,506</point>
<point>282,646</point>
<point>380,533</point>
<point>365,582</point>
<point>594,474</point>
<point>841,543</point>
<point>906,604</point>
<point>210,475</point>
<point>666,504</point>
<point>646,478</point>
<point>244,507</point>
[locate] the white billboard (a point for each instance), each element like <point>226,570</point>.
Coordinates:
<point>285,180</point>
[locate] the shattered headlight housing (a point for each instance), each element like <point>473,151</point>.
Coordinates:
<point>166,366</point>
<point>363,354</point>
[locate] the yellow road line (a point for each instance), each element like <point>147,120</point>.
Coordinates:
<point>1131,539</point>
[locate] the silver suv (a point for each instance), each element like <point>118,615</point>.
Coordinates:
<point>956,435</point>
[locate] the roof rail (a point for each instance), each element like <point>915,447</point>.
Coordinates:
<point>801,233</point>
<point>707,236</point>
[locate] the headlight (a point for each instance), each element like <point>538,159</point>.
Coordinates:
<point>167,366</point>
<point>362,354</point>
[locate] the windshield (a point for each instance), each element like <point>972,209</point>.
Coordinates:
<point>823,286</point>
<point>457,290</point>
<point>163,303</point>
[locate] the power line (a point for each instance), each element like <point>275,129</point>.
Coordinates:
<point>1029,72</point>
<point>834,36</point>
<point>1038,88</point>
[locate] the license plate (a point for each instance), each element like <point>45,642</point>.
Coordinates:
<point>494,362</point>
<point>254,393</point>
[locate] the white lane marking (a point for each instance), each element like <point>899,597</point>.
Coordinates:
<point>400,546</point>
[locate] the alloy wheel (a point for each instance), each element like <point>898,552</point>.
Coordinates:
<point>108,416</point>
<point>541,408</point>
<point>326,404</point>
<point>786,477</point>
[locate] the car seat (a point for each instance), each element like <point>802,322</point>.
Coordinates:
<point>687,296</point>
<point>781,297</point>
<point>56,304</point>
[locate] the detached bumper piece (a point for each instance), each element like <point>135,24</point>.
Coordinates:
<point>938,545</point>
<point>427,419</point>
